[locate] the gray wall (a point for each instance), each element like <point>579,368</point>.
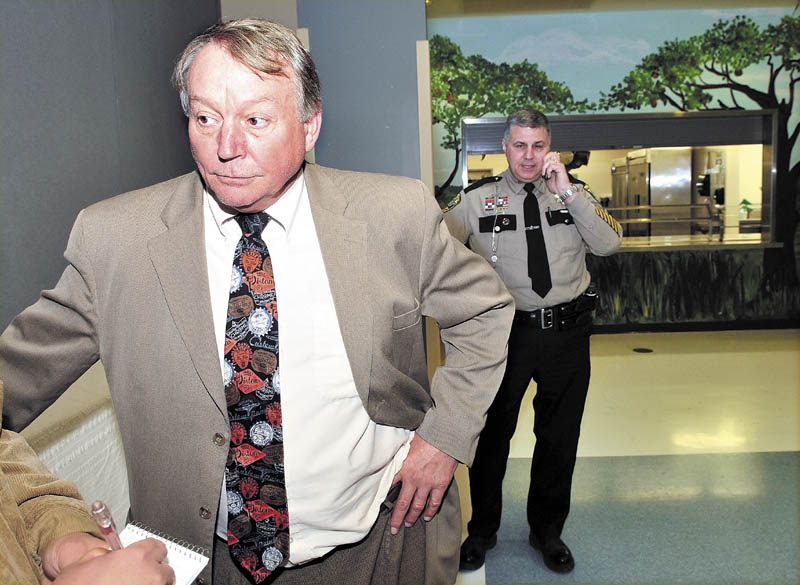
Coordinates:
<point>281,11</point>
<point>86,112</point>
<point>366,56</point>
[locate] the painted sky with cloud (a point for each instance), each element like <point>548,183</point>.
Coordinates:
<point>589,52</point>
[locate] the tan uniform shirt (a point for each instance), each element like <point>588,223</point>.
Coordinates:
<point>490,219</point>
<point>35,509</point>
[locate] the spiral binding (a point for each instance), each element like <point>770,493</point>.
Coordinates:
<point>192,550</point>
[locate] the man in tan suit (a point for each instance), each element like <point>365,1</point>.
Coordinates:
<point>358,260</point>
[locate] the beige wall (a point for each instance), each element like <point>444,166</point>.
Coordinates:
<point>741,182</point>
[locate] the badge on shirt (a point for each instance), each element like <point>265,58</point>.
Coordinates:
<point>502,202</point>
<point>489,203</point>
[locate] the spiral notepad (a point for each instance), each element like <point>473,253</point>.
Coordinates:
<point>185,559</point>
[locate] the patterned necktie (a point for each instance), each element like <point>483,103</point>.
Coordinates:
<point>538,265</point>
<point>258,516</point>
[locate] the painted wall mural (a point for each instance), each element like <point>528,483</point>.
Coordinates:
<point>655,289</point>
<point>640,61</point>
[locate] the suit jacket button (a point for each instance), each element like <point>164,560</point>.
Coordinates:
<point>219,439</point>
<point>200,581</point>
<point>205,513</point>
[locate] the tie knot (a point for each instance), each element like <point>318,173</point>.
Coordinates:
<point>529,187</point>
<point>252,223</point>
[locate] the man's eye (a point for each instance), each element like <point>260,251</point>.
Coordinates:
<point>201,119</point>
<point>256,121</point>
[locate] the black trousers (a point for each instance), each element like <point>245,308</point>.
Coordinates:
<point>558,361</point>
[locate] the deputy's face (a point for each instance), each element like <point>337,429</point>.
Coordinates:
<point>244,130</point>
<point>525,150</point>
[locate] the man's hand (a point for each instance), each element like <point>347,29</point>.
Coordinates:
<point>426,473</point>
<point>555,173</point>
<point>67,550</point>
<point>142,563</point>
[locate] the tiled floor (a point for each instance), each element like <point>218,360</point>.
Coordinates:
<point>688,466</point>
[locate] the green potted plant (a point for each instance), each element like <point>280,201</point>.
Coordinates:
<point>746,208</point>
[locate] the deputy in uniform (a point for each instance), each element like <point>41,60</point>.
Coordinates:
<point>534,225</point>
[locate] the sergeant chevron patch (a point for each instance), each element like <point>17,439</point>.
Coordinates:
<point>606,217</point>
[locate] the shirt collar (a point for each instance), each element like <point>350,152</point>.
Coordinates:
<point>517,185</point>
<point>283,211</point>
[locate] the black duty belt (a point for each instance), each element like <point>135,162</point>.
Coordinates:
<point>561,317</point>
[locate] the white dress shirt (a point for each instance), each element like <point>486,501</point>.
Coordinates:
<point>339,464</point>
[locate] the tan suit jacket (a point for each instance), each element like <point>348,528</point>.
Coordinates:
<point>135,295</point>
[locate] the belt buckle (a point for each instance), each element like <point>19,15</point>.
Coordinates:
<point>547,318</point>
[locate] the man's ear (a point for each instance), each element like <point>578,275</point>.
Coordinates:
<point>312,127</point>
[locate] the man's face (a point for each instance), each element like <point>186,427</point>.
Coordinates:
<point>525,150</point>
<point>244,130</point>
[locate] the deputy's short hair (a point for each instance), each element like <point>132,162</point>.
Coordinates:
<point>527,119</point>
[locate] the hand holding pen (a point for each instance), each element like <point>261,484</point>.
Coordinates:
<point>78,558</point>
<point>105,522</point>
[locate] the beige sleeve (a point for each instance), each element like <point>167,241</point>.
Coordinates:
<point>474,311</point>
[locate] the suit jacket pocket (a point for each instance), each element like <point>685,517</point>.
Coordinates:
<point>407,319</point>
<point>406,338</point>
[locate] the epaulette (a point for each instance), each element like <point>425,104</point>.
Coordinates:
<point>481,182</point>
<point>577,181</point>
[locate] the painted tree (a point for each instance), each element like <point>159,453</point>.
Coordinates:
<point>473,87</point>
<point>705,73</point>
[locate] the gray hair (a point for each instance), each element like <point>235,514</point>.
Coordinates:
<point>264,46</point>
<point>527,119</point>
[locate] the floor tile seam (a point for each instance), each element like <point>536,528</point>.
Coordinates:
<point>708,453</point>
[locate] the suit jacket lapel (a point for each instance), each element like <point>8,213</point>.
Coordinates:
<point>178,255</point>
<point>344,250</point>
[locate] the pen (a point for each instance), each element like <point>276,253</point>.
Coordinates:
<point>105,522</point>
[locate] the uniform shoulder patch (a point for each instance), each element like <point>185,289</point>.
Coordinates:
<point>481,183</point>
<point>452,203</point>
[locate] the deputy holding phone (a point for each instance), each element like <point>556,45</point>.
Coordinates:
<point>533,224</point>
